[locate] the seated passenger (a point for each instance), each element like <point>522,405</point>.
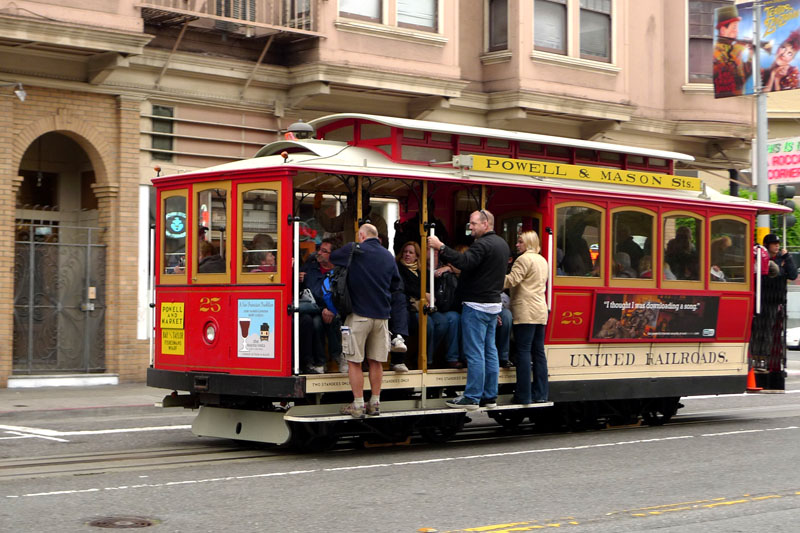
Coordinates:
<point>719,247</point>
<point>210,261</point>
<point>622,266</point>
<point>320,323</point>
<point>625,243</point>
<point>682,256</point>
<point>263,252</point>
<point>646,267</point>
<point>440,325</point>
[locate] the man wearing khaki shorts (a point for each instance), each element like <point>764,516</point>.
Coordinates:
<point>371,280</point>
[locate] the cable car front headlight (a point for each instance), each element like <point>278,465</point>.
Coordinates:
<point>210,332</point>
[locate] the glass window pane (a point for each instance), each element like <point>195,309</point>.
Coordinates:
<point>632,232</point>
<point>579,240</point>
<point>498,25</point>
<point>550,25</point>
<point>681,258</point>
<point>174,236</point>
<point>728,251</point>
<point>260,230</point>
<point>418,13</point>
<point>595,34</point>
<point>212,225</point>
<point>370,9</point>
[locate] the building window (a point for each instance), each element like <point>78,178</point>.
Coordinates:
<point>498,25</point>
<point>596,29</point>
<point>361,9</point>
<point>162,142</point>
<point>701,38</point>
<point>417,14</point>
<point>550,25</point>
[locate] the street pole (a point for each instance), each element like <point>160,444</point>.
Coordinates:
<point>760,150</point>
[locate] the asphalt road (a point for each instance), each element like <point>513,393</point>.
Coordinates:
<point>723,464</point>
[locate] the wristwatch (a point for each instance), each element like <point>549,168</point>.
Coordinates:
<point>442,247</point>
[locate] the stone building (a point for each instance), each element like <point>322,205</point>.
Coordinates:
<point>114,89</point>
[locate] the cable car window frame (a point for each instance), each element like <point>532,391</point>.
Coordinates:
<point>209,277</point>
<point>259,278</point>
<point>180,277</point>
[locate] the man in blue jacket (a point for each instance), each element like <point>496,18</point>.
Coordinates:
<point>371,279</point>
<point>483,271</point>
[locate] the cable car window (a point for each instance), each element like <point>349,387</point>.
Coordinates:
<point>259,230</point>
<point>212,225</point>
<point>579,238</point>
<point>728,249</point>
<point>682,235</point>
<point>632,232</point>
<point>173,237</point>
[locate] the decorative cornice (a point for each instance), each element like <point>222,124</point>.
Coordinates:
<point>105,190</point>
<point>500,56</point>
<point>574,63</point>
<point>408,83</point>
<point>561,104</point>
<point>72,35</point>
<point>698,88</point>
<point>390,32</point>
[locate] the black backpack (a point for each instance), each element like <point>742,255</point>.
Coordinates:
<point>336,287</point>
<point>445,288</point>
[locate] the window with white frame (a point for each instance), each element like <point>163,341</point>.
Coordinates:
<point>361,9</point>
<point>596,29</point>
<point>701,38</point>
<point>417,14</point>
<point>550,25</point>
<point>498,25</point>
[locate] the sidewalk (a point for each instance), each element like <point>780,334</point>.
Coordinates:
<point>62,398</point>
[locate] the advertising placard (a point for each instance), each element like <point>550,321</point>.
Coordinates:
<point>649,316</point>
<point>734,47</point>
<point>783,160</point>
<point>255,325</point>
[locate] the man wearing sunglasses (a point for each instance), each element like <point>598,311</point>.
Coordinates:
<point>483,270</point>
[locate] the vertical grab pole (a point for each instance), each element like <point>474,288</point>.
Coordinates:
<point>296,294</point>
<point>151,326</point>
<point>432,292</point>
<point>550,268</point>
<point>758,279</point>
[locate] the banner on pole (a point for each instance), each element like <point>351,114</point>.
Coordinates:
<point>734,47</point>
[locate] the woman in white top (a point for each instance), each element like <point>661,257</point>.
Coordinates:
<point>528,281</point>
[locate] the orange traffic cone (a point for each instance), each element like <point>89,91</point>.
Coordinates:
<point>751,382</point>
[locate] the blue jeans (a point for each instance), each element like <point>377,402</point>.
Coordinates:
<point>478,336</point>
<point>530,347</point>
<point>445,327</point>
<point>504,335</point>
<point>312,339</point>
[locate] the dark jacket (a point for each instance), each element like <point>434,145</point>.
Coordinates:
<point>372,278</point>
<point>211,264</point>
<point>483,268</point>
<point>787,266</point>
<point>313,281</point>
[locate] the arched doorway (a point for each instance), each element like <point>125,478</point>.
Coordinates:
<point>59,273</point>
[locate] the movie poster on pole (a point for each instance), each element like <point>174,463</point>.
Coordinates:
<point>734,46</point>
<point>783,160</point>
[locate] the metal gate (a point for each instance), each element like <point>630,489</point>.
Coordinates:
<point>59,299</point>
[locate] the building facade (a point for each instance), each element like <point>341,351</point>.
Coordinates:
<point>118,92</point>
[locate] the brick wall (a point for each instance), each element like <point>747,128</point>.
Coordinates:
<point>107,128</point>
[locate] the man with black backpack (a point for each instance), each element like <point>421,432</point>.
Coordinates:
<point>372,277</point>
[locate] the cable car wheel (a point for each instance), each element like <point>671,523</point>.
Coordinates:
<point>315,438</point>
<point>510,419</point>
<point>442,428</point>
<point>659,411</point>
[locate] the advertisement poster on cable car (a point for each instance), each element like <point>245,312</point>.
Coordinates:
<point>650,316</point>
<point>734,47</point>
<point>255,328</point>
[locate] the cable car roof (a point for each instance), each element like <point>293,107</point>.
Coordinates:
<point>477,131</point>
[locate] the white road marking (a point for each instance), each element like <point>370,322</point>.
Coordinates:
<point>395,464</point>
<point>54,433</point>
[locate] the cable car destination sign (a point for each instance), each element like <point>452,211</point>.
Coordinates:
<point>552,169</point>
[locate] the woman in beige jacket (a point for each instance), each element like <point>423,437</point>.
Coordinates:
<point>528,281</point>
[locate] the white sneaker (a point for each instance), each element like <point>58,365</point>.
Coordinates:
<point>400,368</point>
<point>399,345</point>
<point>317,369</point>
